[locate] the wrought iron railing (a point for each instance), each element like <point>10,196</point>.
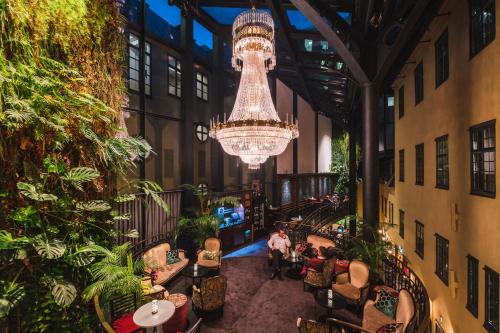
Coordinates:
<point>397,275</point>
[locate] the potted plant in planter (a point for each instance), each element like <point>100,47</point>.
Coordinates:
<point>203,224</point>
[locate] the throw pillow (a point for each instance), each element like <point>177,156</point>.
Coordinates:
<point>316,264</point>
<point>386,303</point>
<point>211,255</point>
<point>389,328</point>
<point>173,257</point>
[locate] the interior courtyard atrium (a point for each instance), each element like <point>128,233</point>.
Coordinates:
<point>249,166</point>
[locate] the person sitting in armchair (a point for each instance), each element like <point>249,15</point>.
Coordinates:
<point>278,243</point>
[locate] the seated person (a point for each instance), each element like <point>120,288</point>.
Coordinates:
<point>278,243</point>
<point>315,262</point>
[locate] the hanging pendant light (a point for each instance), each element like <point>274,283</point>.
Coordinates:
<point>254,131</point>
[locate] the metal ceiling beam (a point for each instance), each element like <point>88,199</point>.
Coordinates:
<point>339,22</point>
<point>274,6</point>
<point>403,38</point>
<point>333,39</point>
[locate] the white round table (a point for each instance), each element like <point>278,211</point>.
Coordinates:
<point>145,319</point>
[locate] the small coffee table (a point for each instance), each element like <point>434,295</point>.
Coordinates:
<point>296,263</point>
<point>145,319</point>
<point>336,302</point>
<point>190,273</point>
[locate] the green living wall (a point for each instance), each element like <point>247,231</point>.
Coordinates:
<point>61,88</point>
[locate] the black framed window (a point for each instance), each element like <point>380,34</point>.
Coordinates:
<point>419,164</point>
<point>442,248</point>
<point>490,300</point>
<point>174,76</point>
<point>483,152</point>
<point>402,165</point>
<point>442,58</point>
<point>391,213</point>
<point>201,86</point>
<point>442,164</point>
<point>201,132</point>
<point>419,239</point>
<point>401,101</point>
<point>401,223</point>
<point>482,24</point>
<point>419,82</point>
<point>472,285</point>
<point>133,64</point>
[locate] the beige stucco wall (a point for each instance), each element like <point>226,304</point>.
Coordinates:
<point>324,143</point>
<point>470,96</point>
<point>306,148</point>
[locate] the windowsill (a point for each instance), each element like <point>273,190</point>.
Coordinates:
<point>442,187</point>
<point>441,278</point>
<point>490,328</point>
<point>418,184</point>
<point>483,194</point>
<point>173,95</point>
<point>421,255</point>
<point>472,55</point>
<point>473,311</point>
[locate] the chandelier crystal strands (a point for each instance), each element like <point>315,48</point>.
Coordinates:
<point>253,131</point>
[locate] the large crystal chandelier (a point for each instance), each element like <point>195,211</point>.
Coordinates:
<point>254,131</point>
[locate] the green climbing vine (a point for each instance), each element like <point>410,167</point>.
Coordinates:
<point>61,89</point>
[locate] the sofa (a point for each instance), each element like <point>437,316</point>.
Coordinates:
<point>155,258</point>
<point>318,241</point>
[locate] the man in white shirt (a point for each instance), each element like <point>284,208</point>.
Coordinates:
<point>278,244</point>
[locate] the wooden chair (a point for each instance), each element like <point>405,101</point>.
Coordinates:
<point>353,285</point>
<point>373,319</point>
<point>122,309</point>
<point>196,327</point>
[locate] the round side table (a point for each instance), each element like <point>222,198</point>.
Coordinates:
<point>145,319</point>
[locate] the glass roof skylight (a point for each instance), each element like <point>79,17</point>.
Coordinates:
<point>223,15</point>
<point>299,22</point>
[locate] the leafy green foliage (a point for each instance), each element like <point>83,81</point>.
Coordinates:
<point>80,175</point>
<point>340,163</point>
<point>61,91</point>
<point>204,224</point>
<point>373,252</point>
<point>115,273</point>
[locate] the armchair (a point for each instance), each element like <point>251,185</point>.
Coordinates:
<point>120,315</point>
<point>270,253</point>
<point>311,326</point>
<point>321,279</point>
<point>206,256</point>
<point>353,285</point>
<point>211,294</point>
<point>373,319</point>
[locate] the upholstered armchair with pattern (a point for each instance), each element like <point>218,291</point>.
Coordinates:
<point>211,255</point>
<point>374,320</point>
<point>312,326</point>
<point>353,285</point>
<point>321,279</point>
<point>211,295</point>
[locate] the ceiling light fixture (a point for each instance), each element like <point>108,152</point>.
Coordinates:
<point>254,130</point>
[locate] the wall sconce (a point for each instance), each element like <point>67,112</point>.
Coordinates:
<point>453,284</point>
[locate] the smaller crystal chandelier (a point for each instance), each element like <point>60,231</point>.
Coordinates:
<point>253,131</point>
